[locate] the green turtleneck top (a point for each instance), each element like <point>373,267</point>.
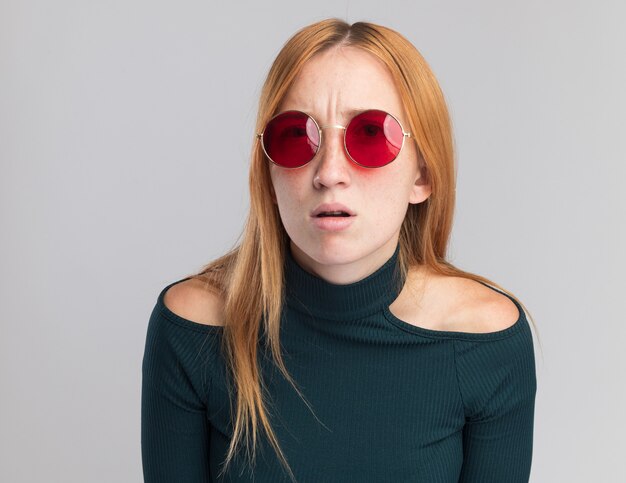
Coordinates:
<point>392,402</point>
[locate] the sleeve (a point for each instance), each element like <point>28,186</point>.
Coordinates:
<point>174,423</point>
<point>497,381</point>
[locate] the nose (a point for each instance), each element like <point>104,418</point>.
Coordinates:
<point>334,163</point>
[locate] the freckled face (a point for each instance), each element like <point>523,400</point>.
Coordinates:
<point>330,84</point>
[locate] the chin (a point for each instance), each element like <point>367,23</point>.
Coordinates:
<point>332,253</point>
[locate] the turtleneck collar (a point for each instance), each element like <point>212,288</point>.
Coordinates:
<point>313,295</point>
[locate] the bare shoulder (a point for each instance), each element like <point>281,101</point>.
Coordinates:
<point>480,309</point>
<point>193,300</point>
<point>454,304</point>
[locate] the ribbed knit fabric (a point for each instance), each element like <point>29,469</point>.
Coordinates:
<point>393,402</point>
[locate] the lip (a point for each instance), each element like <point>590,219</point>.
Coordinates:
<point>332,207</point>
<point>333,223</point>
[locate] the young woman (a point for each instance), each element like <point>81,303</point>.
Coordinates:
<point>335,342</point>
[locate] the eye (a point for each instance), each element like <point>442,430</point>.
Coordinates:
<point>370,130</point>
<point>294,131</point>
<point>367,129</point>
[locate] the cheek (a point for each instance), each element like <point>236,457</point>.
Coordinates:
<point>287,187</point>
<point>386,198</point>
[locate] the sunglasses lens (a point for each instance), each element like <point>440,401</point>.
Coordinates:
<point>374,138</point>
<point>291,139</point>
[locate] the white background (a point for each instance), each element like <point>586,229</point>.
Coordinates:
<point>125,133</point>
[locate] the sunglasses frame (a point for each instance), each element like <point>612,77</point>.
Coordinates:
<point>259,136</point>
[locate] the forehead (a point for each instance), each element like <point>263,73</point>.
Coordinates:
<point>338,81</point>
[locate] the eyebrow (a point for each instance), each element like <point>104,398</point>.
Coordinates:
<point>345,113</point>
<point>355,110</point>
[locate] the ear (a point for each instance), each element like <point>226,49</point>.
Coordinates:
<point>421,188</point>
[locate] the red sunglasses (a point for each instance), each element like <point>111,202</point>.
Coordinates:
<point>372,138</point>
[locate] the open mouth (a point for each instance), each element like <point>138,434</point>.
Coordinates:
<point>333,213</point>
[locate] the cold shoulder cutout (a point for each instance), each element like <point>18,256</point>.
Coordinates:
<point>493,313</point>
<point>189,299</point>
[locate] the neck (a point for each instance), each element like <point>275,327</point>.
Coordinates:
<point>341,270</point>
<point>311,294</point>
